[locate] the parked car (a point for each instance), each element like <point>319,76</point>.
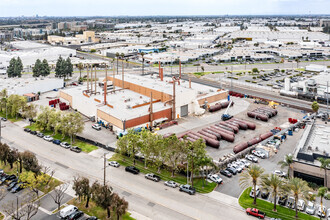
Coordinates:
<point>58,142</point>
<point>114,163</point>
<point>188,189</point>
<point>301,205</point>
<point>310,209</point>
<point>76,215</point>
<point>328,214</point>
<point>255,212</point>
<point>91,218</point>
<point>282,200</point>
<point>18,187</point>
<point>4,119</point>
<point>257,192</point>
<point>27,130</point>
<point>48,138</point>
<point>291,203</point>
<point>215,178</point>
<point>75,149</point>
<point>65,145</point>
<point>279,173</point>
<point>233,165</point>
<point>232,170</point>
<point>264,194</point>
<point>132,169</point>
<point>67,211</point>
<point>41,135</point>
<point>245,162</point>
<point>6,178</point>
<point>96,127</point>
<point>153,177</point>
<point>34,132</point>
<point>259,154</point>
<point>251,158</point>
<point>226,173</point>
<point>171,183</point>
<point>321,211</point>
<point>11,185</point>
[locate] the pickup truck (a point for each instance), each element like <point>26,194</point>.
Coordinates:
<point>255,212</point>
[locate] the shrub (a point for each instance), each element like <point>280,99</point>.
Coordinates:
<point>247,80</point>
<point>254,81</point>
<point>93,50</point>
<point>254,77</point>
<point>255,70</point>
<point>282,71</point>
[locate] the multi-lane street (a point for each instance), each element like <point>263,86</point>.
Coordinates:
<point>151,200</point>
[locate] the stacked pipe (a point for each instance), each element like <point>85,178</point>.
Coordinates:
<point>262,113</point>
<point>223,133</point>
<point>210,138</point>
<point>219,106</point>
<point>246,124</point>
<point>242,146</point>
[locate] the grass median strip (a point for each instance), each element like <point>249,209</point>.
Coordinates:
<point>83,145</point>
<point>199,183</point>
<point>282,212</point>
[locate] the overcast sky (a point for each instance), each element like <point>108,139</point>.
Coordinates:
<point>160,7</point>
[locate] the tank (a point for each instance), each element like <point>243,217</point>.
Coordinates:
<point>240,147</point>
<point>182,135</point>
<point>232,124</point>
<point>266,135</point>
<point>224,136</point>
<point>208,135</point>
<point>225,127</point>
<point>190,139</point>
<point>225,104</point>
<point>264,112</point>
<point>224,130</point>
<point>209,141</point>
<point>241,125</point>
<point>229,126</point>
<point>194,137</point>
<point>212,132</point>
<point>250,125</point>
<point>215,108</point>
<point>257,116</point>
<point>254,141</point>
<point>274,111</point>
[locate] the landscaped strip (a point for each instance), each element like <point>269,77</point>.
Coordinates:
<point>83,145</point>
<point>9,117</point>
<point>94,210</point>
<point>165,174</point>
<point>282,212</point>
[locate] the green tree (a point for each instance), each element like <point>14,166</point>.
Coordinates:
<point>43,117</point>
<point>60,68</point>
<point>298,188</point>
<point>37,68</point>
<point>325,164</point>
<point>175,152</point>
<point>315,106</point>
<point>4,151</point>
<point>274,184</point>
<point>29,111</point>
<point>80,66</point>
<point>3,100</point>
<point>287,162</point>
<point>30,162</point>
<point>16,104</point>
<point>12,157</point>
<point>45,68</point>
<point>11,68</point>
<point>255,70</point>
<point>251,177</point>
<point>18,67</point>
<point>119,205</point>
<point>68,67</point>
<point>128,144</point>
<point>102,195</point>
<point>32,181</point>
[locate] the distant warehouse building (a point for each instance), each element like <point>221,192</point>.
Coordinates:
<point>128,103</point>
<point>313,144</point>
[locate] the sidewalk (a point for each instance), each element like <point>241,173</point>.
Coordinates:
<point>223,198</point>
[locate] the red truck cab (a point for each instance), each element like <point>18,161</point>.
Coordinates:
<point>255,212</point>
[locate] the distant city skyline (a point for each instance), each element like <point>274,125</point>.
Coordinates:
<point>15,8</point>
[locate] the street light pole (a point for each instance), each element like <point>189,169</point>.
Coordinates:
<point>105,164</point>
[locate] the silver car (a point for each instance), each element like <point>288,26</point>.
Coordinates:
<point>310,209</point>
<point>171,183</point>
<point>114,163</point>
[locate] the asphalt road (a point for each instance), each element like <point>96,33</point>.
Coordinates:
<point>150,199</point>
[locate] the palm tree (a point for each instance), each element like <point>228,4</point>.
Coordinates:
<point>297,60</point>
<point>324,166</point>
<point>273,183</point>
<point>119,205</point>
<point>117,55</point>
<point>251,177</point>
<point>298,188</point>
<point>287,163</point>
<point>80,66</point>
<point>321,193</point>
<point>142,54</point>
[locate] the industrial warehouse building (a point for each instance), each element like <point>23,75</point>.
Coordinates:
<point>313,144</point>
<point>131,106</point>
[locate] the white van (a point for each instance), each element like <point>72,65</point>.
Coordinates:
<point>65,212</point>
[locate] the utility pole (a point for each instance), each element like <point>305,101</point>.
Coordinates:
<point>328,97</point>
<point>105,166</point>
<point>0,130</point>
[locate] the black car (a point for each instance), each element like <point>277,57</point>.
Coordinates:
<point>11,185</point>
<point>27,130</point>
<point>264,194</point>
<point>55,141</point>
<point>4,119</point>
<point>75,215</point>
<point>226,173</point>
<point>75,149</point>
<point>91,218</point>
<point>282,200</point>
<point>33,132</point>
<point>132,169</point>
<point>18,187</point>
<point>232,170</point>
<point>7,178</point>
